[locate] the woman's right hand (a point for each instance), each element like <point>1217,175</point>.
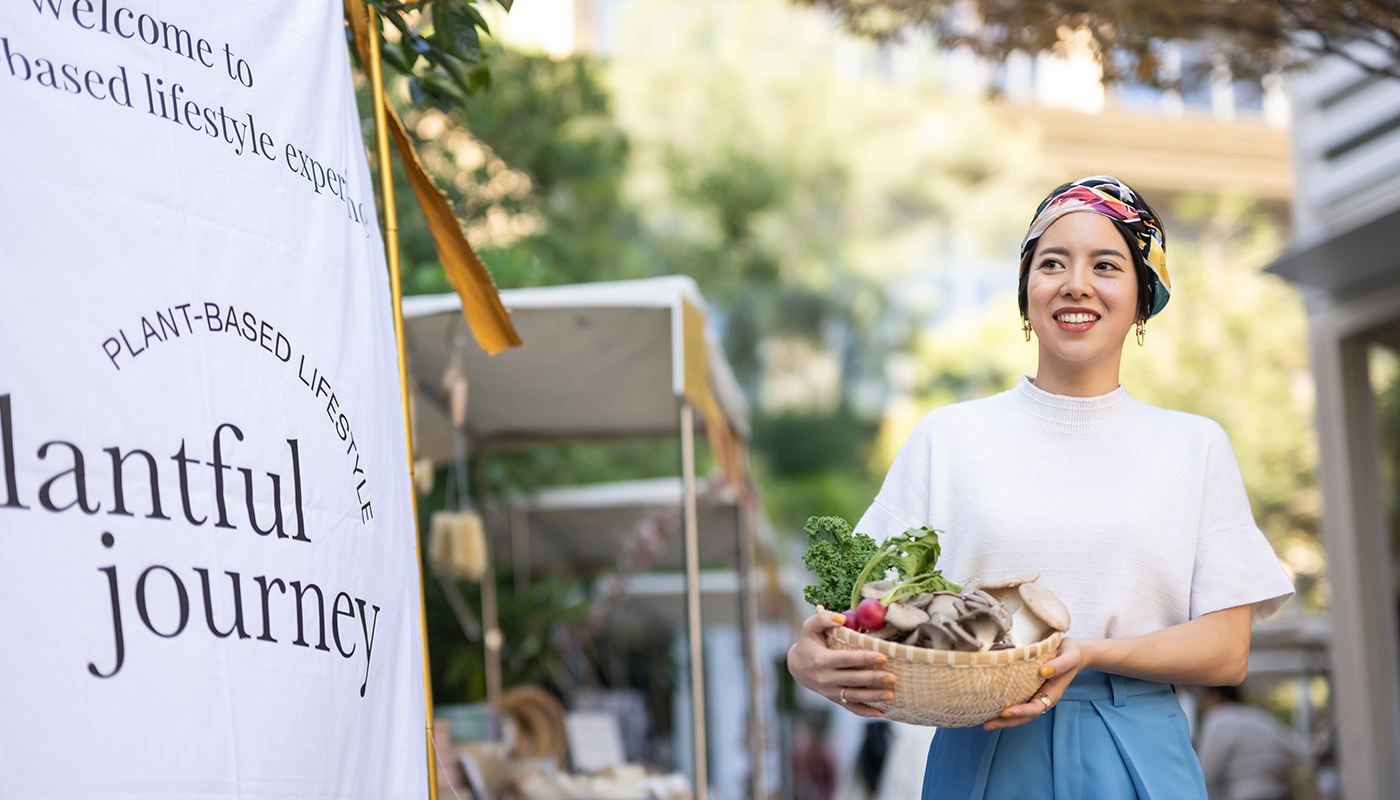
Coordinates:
<point>827,672</point>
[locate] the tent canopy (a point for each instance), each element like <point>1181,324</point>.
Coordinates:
<point>600,360</point>
<point>590,528</point>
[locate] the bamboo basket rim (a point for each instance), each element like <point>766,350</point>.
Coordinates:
<point>946,658</point>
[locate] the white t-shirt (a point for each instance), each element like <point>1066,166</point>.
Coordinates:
<point>1135,516</point>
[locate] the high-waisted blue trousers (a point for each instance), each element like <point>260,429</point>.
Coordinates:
<point>1109,738</point>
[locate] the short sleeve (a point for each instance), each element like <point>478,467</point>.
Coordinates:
<point>1235,564</point>
<point>903,501</point>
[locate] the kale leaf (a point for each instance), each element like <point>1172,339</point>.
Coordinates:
<point>837,556</point>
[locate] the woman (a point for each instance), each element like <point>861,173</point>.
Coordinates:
<point>1136,517</point>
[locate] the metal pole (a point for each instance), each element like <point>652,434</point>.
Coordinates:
<point>391,254</point>
<point>692,601</point>
<point>490,616</point>
<point>748,626</point>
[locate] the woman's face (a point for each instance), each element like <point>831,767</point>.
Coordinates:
<point>1082,291</point>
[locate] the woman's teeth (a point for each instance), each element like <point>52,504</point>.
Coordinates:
<point>1077,319</point>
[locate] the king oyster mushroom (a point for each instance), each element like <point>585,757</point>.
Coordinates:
<point>904,617</point>
<point>1040,613</point>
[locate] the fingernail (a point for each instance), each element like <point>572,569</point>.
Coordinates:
<point>1046,671</point>
<point>839,619</point>
<point>881,660</point>
<point>889,679</point>
<point>879,715</point>
<point>1006,713</point>
<point>887,696</point>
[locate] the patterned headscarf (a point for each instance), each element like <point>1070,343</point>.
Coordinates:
<point>1112,198</point>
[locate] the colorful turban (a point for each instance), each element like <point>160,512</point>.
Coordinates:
<point>1112,198</point>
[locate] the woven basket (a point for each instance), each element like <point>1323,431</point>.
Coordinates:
<point>952,689</point>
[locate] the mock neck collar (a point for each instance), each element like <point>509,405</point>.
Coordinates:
<point>1074,415</point>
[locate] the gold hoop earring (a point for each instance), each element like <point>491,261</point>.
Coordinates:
<point>1141,333</point>
<point>1026,328</point>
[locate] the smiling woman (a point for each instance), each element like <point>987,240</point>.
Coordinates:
<point>1135,516</point>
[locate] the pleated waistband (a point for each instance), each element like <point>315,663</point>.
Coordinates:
<point>1091,684</point>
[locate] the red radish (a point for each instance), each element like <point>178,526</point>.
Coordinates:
<point>870,614</point>
<point>851,620</point>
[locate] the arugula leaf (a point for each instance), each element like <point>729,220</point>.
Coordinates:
<point>913,556</point>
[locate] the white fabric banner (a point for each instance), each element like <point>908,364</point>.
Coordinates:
<point>208,584</point>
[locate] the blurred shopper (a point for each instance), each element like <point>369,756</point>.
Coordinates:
<point>813,775</point>
<point>1247,754</point>
<point>865,780</point>
<point>1136,517</point>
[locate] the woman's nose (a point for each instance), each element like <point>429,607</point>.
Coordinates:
<point>1078,282</point>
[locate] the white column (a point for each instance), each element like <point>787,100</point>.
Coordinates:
<point>1365,673</point>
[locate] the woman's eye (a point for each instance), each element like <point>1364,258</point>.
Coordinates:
<point>1106,266</point>
<point>1049,263</point>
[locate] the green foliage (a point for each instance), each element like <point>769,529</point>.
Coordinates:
<point>1253,37</point>
<point>802,444</point>
<point>837,556</point>
<point>913,555</point>
<point>435,45</point>
<point>535,169</point>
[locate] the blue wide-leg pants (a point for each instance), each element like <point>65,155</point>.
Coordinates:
<point>1109,738</point>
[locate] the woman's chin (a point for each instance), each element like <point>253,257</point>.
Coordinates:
<point>1073,349</point>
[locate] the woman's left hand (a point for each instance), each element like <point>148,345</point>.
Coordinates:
<point>1058,673</point>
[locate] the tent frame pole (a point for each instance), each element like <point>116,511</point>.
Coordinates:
<point>748,627</point>
<point>692,601</point>
<point>391,254</point>
<point>492,638</point>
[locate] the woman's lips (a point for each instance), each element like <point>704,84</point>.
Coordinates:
<point>1075,322</point>
<point>1076,327</point>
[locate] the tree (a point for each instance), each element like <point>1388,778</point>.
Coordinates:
<point>1252,37</point>
<point>534,168</point>
<point>436,46</point>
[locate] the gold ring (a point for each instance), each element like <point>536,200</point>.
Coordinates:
<point>1044,698</point>
<point>843,696</point>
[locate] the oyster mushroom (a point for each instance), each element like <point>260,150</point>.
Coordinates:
<point>943,604</point>
<point>875,589</point>
<point>1040,613</point>
<point>1005,588</point>
<point>934,636</point>
<point>985,626</point>
<point>920,600</point>
<point>962,639</point>
<point>887,632</point>
<point>905,617</point>
<point>1009,580</point>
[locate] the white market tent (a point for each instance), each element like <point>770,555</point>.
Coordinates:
<point>601,361</point>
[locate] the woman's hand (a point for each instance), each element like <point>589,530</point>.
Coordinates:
<point>1210,650</point>
<point>830,673</point>
<point>1058,673</point>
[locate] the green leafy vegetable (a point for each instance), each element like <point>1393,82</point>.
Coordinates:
<point>913,556</point>
<point>837,556</point>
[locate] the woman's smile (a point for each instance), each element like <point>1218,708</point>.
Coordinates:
<point>1075,319</point>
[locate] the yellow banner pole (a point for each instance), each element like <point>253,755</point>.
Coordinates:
<point>391,253</point>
